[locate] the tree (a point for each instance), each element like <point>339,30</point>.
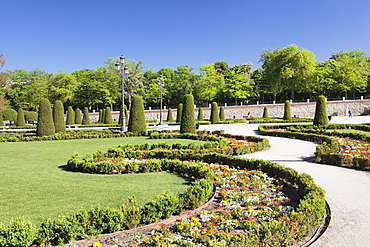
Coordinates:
<point>62,87</point>
<point>86,117</point>
<point>21,122</point>
<point>70,116</point>
<point>221,67</point>
<point>3,81</point>
<point>321,115</point>
<point>10,115</point>
<point>45,124</point>
<point>30,116</point>
<point>108,116</point>
<point>214,118</point>
<point>58,117</point>
<point>179,113</point>
<point>287,114</point>
<point>210,80</point>
<point>222,113</point>
<point>185,82</point>
<point>78,117</point>
<point>265,112</point>
<point>1,119</point>
<point>237,85</point>
<point>187,120</point>
<point>200,114</point>
<point>137,122</point>
<point>169,115</point>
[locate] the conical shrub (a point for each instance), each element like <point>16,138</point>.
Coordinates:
<point>287,114</point>
<point>179,113</point>
<point>108,116</point>
<point>1,119</point>
<point>214,118</point>
<point>78,117</point>
<point>45,124</point>
<point>86,117</point>
<point>265,112</point>
<point>200,114</point>
<point>21,122</point>
<point>70,116</point>
<point>222,113</point>
<point>187,120</point>
<point>101,116</point>
<point>120,115</point>
<point>137,123</point>
<point>58,117</point>
<point>169,115</point>
<point>321,115</point>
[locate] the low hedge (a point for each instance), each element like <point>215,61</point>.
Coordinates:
<point>278,120</point>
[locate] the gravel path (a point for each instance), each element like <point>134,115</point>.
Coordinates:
<point>347,190</point>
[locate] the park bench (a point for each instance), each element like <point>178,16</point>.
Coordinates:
<point>70,126</point>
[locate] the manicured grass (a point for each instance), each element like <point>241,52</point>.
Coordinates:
<point>34,185</point>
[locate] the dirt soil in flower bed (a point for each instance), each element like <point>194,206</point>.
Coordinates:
<point>123,238</point>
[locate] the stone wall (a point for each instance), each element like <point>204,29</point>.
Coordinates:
<point>334,108</point>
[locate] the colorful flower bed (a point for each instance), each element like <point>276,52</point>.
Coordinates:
<point>247,200</point>
<point>354,148</point>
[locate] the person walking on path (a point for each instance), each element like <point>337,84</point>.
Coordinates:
<point>350,113</point>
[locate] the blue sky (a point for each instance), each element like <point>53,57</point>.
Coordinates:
<point>69,35</point>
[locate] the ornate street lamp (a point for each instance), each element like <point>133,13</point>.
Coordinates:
<point>161,85</point>
<point>123,72</point>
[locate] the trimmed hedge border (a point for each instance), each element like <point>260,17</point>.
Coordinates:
<point>327,151</point>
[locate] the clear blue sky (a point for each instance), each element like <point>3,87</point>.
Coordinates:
<point>69,35</point>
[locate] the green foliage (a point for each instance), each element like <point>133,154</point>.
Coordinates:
<point>265,112</point>
<point>86,117</point>
<point>179,113</point>
<point>169,115</point>
<point>200,114</point>
<point>19,232</point>
<point>108,116</point>
<point>10,114</point>
<point>222,113</point>
<point>287,114</point>
<point>30,116</point>
<point>101,116</point>
<point>188,121</point>
<point>321,115</point>
<point>20,118</point>
<point>70,116</point>
<point>214,118</point>
<point>78,117</point>
<point>1,119</point>
<point>137,123</point>
<point>58,117</point>
<point>45,123</point>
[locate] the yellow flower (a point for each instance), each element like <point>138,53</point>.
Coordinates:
<point>96,244</point>
<point>145,239</point>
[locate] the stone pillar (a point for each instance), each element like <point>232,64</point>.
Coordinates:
<point>308,100</point>
<point>150,108</point>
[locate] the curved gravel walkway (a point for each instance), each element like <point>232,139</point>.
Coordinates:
<point>347,190</point>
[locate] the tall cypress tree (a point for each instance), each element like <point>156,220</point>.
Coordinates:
<point>179,113</point>
<point>200,114</point>
<point>169,115</point>
<point>222,113</point>
<point>214,118</point>
<point>1,119</point>
<point>78,117</point>
<point>70,116</point>
<point>101,113</point>
<point>58,117</point>
<point>45,124</point>
<point>21,122</point>
<point>187,120</point>
<point>86,117</point>
<point>287,114</point>
<point>265,112</point>
<point>108,116</point>
<point>137,122</point>
<point>321,115</point>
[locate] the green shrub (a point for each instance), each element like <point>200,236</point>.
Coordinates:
<point>78,117</point>
<point>188,121</point>
<point>169,115</point>
<point>86,117</point>
<point>101,116</point>
<point>10,115</point>
<point>19,232</point>
<point>222,113</point>
<point>287,114</point>
<point>30,116</point>
<point>70,116</point>
<point>1,119</point>
<point>58,117</point>
<point>20,118</point>
<point>45,124</point>
<point>179,113</point>
<point>200,114</point>
<point>214,118</point>
<point>108,116</point>
<point>321,116</point>
<point>137,123</point>
<point>265,112</point>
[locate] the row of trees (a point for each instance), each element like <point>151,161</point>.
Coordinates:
<point>290,72</point>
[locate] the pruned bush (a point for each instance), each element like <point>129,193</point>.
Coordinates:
<point>86,117</point>
<point>78,117</point>
<point>321,115</point>
<point>222,113</point>
<point>265,112</point>
<point>70,116</point>
<point>45,123</point>
<point>214,118</point>
<point>20,118</point>
<point>137,123</point>
<point>287,114</point>
<point>179,113</point>
<point>108,116</point>
<point>200,114</point>
<point>10,115</point>
<point>188,121</point>
<point>169,115</point>
<point>58,117</point>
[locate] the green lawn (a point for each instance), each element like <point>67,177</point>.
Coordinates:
<point>33,184</point>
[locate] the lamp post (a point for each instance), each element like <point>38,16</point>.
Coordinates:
<point>123,72</point>
<point>161,85</point>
